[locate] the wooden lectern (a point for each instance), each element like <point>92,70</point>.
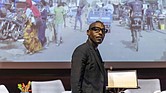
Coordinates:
<point>118,81</point>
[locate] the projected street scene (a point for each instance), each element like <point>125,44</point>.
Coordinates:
<point>49,30</point>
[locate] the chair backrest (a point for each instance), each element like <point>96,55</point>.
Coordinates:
<point>3,89</point>
<point>147,86</point>
<point>53,86</point>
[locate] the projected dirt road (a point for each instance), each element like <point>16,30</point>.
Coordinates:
<point>117,46</point>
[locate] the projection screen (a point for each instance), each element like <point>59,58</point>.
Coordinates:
<point>116,50</point>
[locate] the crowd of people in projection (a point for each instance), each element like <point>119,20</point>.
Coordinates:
<point>39,23</point>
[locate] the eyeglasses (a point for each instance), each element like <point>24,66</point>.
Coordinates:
<point>98,29</point>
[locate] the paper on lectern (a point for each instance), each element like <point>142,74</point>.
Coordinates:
<point>122,79</point>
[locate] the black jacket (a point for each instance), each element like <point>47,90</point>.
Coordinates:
<point>88,74</point>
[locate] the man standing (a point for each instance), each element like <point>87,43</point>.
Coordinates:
<point>88,74</point>
<point>78,17</point>
<point>59,21</point>
<point>149,15</point>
